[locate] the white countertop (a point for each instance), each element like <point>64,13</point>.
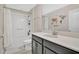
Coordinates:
<point>69,42</point>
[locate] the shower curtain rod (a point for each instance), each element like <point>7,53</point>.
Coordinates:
<point>17,10</point>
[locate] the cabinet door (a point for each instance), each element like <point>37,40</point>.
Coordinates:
<point>33,47</point>
<point>47,51</point>
<point>38,48</point>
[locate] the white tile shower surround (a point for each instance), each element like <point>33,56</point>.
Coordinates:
<point>18,31</point>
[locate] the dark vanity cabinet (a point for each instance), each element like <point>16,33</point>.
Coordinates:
<point>42,46</point>
<point>48,51</point>
<point>36,45</point>
<point>58,49</point>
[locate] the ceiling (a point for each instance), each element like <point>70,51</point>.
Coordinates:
<point>23,7</point>
<point>46,8</point>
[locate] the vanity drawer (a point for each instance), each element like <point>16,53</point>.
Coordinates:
<point>38,39</point>
<point>58,48</point>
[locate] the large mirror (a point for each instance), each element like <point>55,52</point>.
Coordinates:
<point>70,22</point>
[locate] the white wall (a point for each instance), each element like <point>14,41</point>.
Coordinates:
<point>74,20</point>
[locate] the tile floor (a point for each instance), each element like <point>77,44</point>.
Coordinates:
<point>21,50</point>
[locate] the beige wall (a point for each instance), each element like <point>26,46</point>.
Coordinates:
<point>1,28</point>
<point>62,11</point>
<point>37,19</point>
<point>1,19</point>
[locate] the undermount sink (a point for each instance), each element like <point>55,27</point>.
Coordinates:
<point>51,35</point>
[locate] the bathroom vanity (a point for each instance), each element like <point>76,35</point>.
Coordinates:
<point>42,44</point>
